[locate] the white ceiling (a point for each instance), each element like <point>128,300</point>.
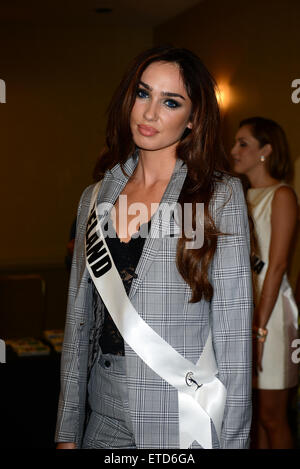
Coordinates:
<point>82,12</point>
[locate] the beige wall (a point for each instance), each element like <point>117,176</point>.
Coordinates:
<point>252,48</point>
<point>58,84</point>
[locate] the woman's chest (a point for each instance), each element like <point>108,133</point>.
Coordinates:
<point>135,207</point>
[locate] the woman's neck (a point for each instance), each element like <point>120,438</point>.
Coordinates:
<point>154,167</point>
<point>261,179</point>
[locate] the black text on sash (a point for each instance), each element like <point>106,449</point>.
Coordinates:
<point>96,252</point>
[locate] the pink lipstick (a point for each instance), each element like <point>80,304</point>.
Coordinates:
<point>147,131</point>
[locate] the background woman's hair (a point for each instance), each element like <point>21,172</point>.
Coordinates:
<point>200,148</point>
<point>278,163</point>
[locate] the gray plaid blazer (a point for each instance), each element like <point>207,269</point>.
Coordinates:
<point>161,297</point>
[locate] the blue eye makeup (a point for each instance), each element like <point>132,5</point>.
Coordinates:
<point>172,104</point>
<point>141,93</point>
<point>169,103</point>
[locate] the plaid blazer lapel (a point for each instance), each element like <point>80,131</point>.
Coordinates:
<point>113,183</point>
<point>159,225</point>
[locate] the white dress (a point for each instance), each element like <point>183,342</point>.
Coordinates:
<point>279,371</point>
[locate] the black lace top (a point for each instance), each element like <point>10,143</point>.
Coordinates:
<point>126,257</point>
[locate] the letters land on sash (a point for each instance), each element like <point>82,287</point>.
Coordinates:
<point>96,253</point>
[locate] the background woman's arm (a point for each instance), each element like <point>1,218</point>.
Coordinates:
<point>283,226</point>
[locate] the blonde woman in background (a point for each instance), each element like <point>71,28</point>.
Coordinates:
<point>261,154</point>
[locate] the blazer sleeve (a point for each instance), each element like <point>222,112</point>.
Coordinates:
<point>71,406</point>
<point>231,312</point>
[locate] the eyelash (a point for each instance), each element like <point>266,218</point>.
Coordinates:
<point>143,94</point>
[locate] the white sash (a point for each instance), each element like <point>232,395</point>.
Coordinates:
<point>201,395</point>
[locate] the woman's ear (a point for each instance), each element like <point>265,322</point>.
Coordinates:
<point>190,125</point>
<point>266,149</point>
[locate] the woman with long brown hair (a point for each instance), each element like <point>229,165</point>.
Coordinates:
<point>261,153</point>
<point>157,348</point>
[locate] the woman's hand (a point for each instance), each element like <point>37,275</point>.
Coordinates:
<point>66,446</point>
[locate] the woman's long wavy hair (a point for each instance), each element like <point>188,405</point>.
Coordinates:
<point>200,148</point>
